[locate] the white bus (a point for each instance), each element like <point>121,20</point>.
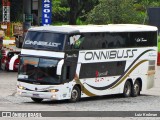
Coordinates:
<point>73,62</point>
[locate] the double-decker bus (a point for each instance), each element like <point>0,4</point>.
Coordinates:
<point>73,62</point>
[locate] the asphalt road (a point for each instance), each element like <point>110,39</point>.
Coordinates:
<point>148,100</point>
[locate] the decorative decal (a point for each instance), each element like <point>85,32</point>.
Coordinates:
<point>123,76</point>
<point>76,41</point>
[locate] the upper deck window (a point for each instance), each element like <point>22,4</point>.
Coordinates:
<point>44,41</point>
<point>106,40</point>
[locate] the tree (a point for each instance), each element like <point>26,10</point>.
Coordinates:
<point>114,11</point>
<point>77,7</point>
<point>16,10</point>
<point>142,6</point>
<point>60,10</point>
<point>71,10</point>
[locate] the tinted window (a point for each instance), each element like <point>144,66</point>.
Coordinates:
<point>28,67</point>
<point>47,71</point>
<point>116,40</point>
<point>44,41</point>
<point>91,70</point>
<point>142,39</point>
<point>113,40</point>
<point>98,40</point>
<point>38,70</point>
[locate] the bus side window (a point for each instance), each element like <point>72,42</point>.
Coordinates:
<point>104,45</point>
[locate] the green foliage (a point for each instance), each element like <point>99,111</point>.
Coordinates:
<point>60,23</point>
<point>159,39</point>
<point>79,8</point>
<point>155,4</point>
<point>158,46</point>
<point>6,38</point>
<point>60,10</point>
<point>79,22</point>
<point>115,11</point>
<point>158,43</point>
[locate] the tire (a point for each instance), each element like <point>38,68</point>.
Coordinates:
<point>136,89</point>
<point>6,69</point>
<point>37,100</point>
<point>75,94</point>
<point>1,66</point>
<point>127,89</point>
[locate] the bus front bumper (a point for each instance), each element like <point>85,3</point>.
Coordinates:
<point>36,94</point>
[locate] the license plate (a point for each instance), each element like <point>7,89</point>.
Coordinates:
<point>35,95</point>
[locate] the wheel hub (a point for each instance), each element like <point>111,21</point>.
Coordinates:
<point>136,88</point>
<point>74,94</point>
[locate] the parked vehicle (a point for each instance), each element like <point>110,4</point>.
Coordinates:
<point>5,61</point>
<point>7,54</point>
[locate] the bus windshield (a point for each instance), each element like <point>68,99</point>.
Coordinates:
<point>38,70</point>
<point>44,41</point>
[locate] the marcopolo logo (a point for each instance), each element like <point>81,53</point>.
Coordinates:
<point>112,54</point>
<point>46,12</point>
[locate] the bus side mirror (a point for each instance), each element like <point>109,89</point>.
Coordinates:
<point>59,67</point>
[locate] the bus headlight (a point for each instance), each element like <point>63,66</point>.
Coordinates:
<point>53,90</point>
<point>21,87</point>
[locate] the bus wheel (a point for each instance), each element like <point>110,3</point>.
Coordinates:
<point>37,100</point>
<point>136,89</point>
<point>75,94</point>
<point>127,89</point>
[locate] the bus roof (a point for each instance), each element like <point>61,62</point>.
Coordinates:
<point>95,28</point>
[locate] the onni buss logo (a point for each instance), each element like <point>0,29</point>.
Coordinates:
<point>112,54</point>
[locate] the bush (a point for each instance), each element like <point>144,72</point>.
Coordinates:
<point>158,38</point>
<point>122,11</point>
<point>158,46</point>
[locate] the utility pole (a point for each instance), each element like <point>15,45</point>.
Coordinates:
<point>6,16</point>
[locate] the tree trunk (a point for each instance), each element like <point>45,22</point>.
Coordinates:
<point>72,18</point>
<point>73,4</point>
